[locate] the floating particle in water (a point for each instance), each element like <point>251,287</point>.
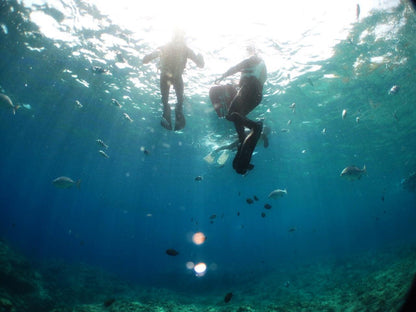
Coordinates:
<point>263,214</point>
<point>255,198</point>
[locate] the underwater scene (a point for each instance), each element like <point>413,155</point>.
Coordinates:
<point>291,191</point>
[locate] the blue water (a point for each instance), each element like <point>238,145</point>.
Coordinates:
<point>133,206</point>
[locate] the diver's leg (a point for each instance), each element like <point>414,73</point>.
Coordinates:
<point>242,159</point>
<point>179,117</point>
<point>166,121</point>
<point>239,126</point>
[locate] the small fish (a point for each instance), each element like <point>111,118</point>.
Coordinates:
<point>103,154</point>
<point>144,150</point>
<point>228,297</point>
<point>267,206</point>
<point>212,217</point>
<point>6,103</point>
<point>101,143</point>
<point>249,201</point>
<point>291,230</point>
<point>394,89</point>
<point>172,252</point>
<point>323,131</point>
<point>109,302</point>
<point>284,130</point>
<point>115,103</point>
<point>255,198</point>
<point>277,193</point>
<point>344,113</point>
<point>353,173</point>
<point>65,182</point>
<point>293,107</point>
<point>198,178</point>
<point>263,214</point>
<point>98,69</point>
<point>357,120</point>
<point>78,104</point>
<point>127,117</point>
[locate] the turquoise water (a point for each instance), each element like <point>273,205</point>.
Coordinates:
<point>133,206</point>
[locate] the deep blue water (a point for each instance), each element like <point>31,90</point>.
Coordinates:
<point>131,207</point>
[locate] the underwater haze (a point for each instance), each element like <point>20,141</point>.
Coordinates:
<point>340,93</point>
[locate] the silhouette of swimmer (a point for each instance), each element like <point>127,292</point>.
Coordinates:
<point>235,103</point>
<point>173,58</point>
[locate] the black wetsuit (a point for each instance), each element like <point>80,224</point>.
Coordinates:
<point>253,76</point>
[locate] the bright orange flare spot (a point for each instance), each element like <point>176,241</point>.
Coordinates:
<point>198,238</point>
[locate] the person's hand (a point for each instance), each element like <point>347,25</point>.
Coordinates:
<point>146,59</point>
<point>201,62</point>
<point>218,80</point>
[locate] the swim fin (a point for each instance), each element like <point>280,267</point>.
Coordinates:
<point>179,118</point>
<point>166,121</point>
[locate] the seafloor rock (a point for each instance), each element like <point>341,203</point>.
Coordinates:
<point>21,283</point>
<point>6,305</point>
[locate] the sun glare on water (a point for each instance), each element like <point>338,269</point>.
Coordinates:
<point>287,34</point>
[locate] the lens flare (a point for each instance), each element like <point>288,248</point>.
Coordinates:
<point>199,238</point>
<point>200,269</point>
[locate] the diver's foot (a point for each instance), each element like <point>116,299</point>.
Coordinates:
<point>179,120</point>
<point>165,123</point>
<point>241,162</point>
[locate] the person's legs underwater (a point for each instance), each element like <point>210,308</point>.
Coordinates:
<point>179,117</point>
<point>248,143</point>
<point>166,121</point>
<point>248,97</point>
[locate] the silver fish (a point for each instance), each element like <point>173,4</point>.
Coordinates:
<point>277,193</point>
<point>6,102</point>
<point>101,143</point>
<point>103,154</point>
<point>65,182</point>
<point>126,116</point>
<point>353,173</point>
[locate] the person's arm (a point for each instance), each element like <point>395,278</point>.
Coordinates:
<point>151,56</point>
<point>198,59</point>
<point>238,68</point>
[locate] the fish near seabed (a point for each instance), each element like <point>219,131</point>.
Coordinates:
<point>353,173</point>
<point>277,193</point>
<point>65,182</point>
<point>6,102</point>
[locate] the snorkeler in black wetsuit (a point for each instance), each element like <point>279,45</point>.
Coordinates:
<point>235,108</point>
<point>173,57</point>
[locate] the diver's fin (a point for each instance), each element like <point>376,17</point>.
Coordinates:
<point>222,159</point>
<point>209,158</point>
<point>165,123</point>
<point>179,119</point>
